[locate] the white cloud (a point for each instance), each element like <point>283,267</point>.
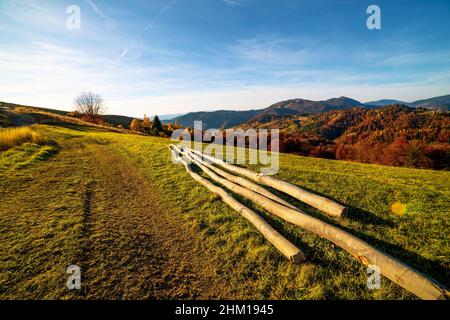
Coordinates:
<point>51,75</point>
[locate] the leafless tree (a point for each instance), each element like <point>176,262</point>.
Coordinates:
<point>89,104</point>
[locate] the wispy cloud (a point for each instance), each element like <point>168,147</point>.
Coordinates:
<point>42,17</point>
<point>42,63</point>
<point>420,58</point>
<point>160,13</point>
<point>273,49</point>
<point>52,48</point>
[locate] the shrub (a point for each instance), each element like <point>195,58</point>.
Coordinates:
<point>99,120</point>
<point>135,125</point>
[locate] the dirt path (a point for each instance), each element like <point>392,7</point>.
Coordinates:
<point>134,247</point>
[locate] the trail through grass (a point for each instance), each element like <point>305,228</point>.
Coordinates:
<point>132,180</point>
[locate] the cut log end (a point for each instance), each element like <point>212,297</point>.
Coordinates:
<point>298,258</point>
<point>342,212</point>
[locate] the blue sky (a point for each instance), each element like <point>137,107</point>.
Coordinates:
<point>168,56</point>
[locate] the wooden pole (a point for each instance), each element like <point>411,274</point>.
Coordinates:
<point>398,272</point>
<point>321,203</point>
<point>288,249</point>
<point>241,181</point>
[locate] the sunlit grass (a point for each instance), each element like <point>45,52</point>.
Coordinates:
<point>11,137</point>
<point>399,210</point>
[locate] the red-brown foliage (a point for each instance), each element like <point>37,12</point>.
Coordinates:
<point>394,135</point>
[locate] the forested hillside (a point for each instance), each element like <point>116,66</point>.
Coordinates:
<point>394,135</point>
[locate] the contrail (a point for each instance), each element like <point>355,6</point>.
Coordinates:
<point>160,13</point>
<point>234,3</point>
<point>110,22</point>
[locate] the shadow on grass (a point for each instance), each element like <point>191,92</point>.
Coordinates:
<point>430,267</point>
<point>353,213</point>
<point>46,151</point>
<point>427,266</point>
<point>75,127</point>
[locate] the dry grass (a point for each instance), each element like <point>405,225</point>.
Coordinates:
<point>12,137</point>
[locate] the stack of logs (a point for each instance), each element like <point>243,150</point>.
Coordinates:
<point>248,184</point>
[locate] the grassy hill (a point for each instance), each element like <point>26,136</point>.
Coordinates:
<point>140,227</point>
<point>115,120</point>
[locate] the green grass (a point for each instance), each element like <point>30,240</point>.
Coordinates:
<point>23,147</point>
<point>41,222</point>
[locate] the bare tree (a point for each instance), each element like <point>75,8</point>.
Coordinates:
<point>89,104</point>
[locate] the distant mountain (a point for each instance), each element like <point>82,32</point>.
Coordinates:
<point>442,102</point>
<point>385,102</point>
<point>228,119</point>
<point>217,119</point>
<point>166,117</point>
<point>307,107</point>
<point>297,107</point>
<point>380,124</point>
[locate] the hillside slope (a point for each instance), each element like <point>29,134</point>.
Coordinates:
<point>392,135</point>
<point>382,124</point>
<point>119,198</point>
<point>11,107</point>
<point>379,124</point>
<point>439,102</point>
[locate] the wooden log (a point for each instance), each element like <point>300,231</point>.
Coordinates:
<point>321,203</point>
<point>239,180</point>
<point>398,272</point>
<point>288,249</point>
